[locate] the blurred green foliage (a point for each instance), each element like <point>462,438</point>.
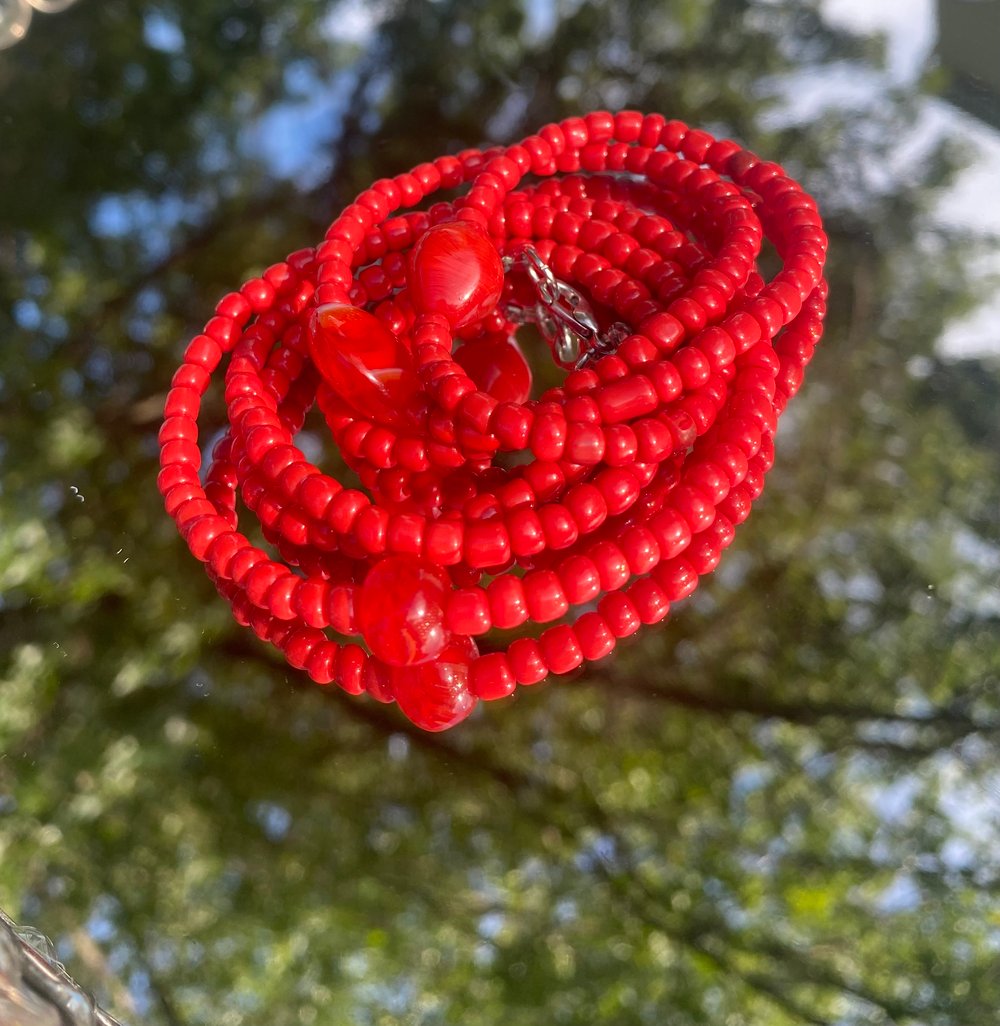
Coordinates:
<point>780,808</point>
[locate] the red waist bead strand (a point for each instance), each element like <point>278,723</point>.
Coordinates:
<point>586,511</point>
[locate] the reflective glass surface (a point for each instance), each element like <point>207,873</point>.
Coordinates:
<point>780,807</point>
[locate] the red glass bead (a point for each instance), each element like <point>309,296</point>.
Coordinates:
<point>498,368</point>
<point>401,610</point>
<point>436,695</point>
<point>525,658</point>
<point>560,649</point>
<point>493,677</point>
<point>626,399</point>
<point>364,364</point>
<point>456,272</point>
<point>595,637</point>
<point>527,537</point>
<point>375,679</point>
<point>469,611</point>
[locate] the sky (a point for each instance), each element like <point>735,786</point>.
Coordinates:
<point>973,201</point>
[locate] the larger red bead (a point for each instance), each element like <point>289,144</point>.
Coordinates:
<point>436,695</point>
<point>498,368</point>
<point>401,610</point>
<point>456,272</point>
<point>363,361</point>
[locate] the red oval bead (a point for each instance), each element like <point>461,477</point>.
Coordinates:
<point>436,695</point>
<point>456,272</point>
<point>401,610</point>
<point>362,361</point>
<point>498,368</point>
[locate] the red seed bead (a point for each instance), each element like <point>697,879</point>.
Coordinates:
<point>377,447</point>
<point>374,677</point>
<point>704,553</point>
<point>595,638</point>
<point>736,505</point>
<point>581,408</point>
<point>677,578</point>
<point>243,562</point>
<point>512,426</point>
<point>709,479</point>
<point>292,528</point>
<point>201,533</point>
<point>180,494</point>
<point>443,542</point>
<point>173,428</point>
<point>310,602</point>
<point>322,663</point>
<point>351,661</point>
<point>469,612</point>
<point>580,579</point>
<point>526,661</point>
<point>371,528</point>
<point>620,445</point>
<point>769,315</point>
<point>650,600</point>
<point>339,608</point>
<point>693,367</point>
<point>619,489</point>
<point>182,401</point>
<point>298,643</point>
<point>486,544</point>
<point>665,380</point>
<point>664,330</point>
<point>672,532</point>
<point>654,440</point>
<point>280,596</point>
<point>508,606</point>
<point>189,376</point>
<point>694,506</point>
<point>221,551</point>
<point>560,649</point>
<point>545,597</point>
<point>620,614</point>
<point>742,433</point>
<point>527,536</point>
<point>516,493</point>
<point>584,444</point>
<point>628,125</point>
<point>492,677</point>
<point>180,452</point>
<point>558,526</point>
<point>723,530</point>
<point>476,408</point>
<point>401,613</point>
<point>731,460</point>
<point>345,509</point>
<point>259,580</point>
<point>640,548</point>
<point>548,436</point>
<point>174,474</point>
<point>587,506</point>
<point>611,564</point>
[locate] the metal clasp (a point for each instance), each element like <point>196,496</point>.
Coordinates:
<point>563,316</point>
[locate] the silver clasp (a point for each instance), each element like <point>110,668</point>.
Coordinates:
<point>563,316</point>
